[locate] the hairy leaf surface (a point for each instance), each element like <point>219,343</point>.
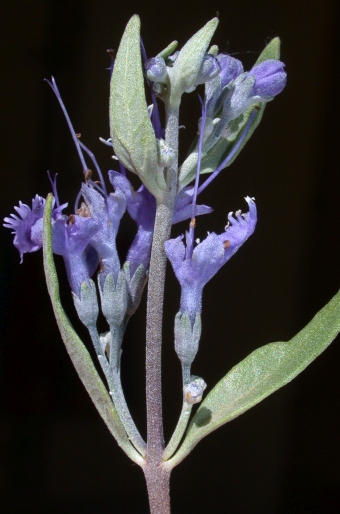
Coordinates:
<point>76,349</point>
<point>260,374</point>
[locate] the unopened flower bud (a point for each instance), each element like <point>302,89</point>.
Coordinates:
<point>87,305</point>
<point>231,68</point>
<point>156,69</point>
<point>135,286</point>
<point>209,69</point>
<point>114,298</point>
<point>187,337</point>
<point>193,392</point>
<point>270,78</point>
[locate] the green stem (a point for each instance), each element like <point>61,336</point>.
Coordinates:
<point>117,333</point>
<point>179,431</point>
<point>117,393</point>
<point>186,373</point>
<point>155,299</point>
<point>112,374</point>
<point>118,398</point>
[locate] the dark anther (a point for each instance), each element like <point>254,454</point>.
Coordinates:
<point>111,52</point>
<point>83,210</point>
<point>87,175</point>
<point>193,222</point>
<point>257,107</point>
<point>71,219</point>
<point>226,244</point>
<point>101,266</point>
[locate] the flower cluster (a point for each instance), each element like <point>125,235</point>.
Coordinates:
<point>87,238</point>
<point>232,97</point>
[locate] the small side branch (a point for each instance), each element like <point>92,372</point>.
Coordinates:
<point>112,375</point>
<point>179,431</point>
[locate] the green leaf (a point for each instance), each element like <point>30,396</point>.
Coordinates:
<point>271,51</point>
<point>187,66</point>
<point>224,146</point>
<point>216,155</point>
<point>260,374</point>
<point>77,351</point>
<point>133,137</point>
<point>169,50</point>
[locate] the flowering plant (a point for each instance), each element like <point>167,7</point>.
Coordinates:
<point>232,107</point>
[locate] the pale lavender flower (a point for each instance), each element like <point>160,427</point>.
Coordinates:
<point>194,271</point>
<point>215,90</point>
<point>107,211</point>
<point>210,68</point>
<point>22,226</point>
<point>70,237</point>
<point>230,68</point>
<point>141,206</point>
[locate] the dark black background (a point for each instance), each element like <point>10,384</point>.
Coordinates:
<point>56,455</point>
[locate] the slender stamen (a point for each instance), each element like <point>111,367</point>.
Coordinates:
<point>107,142</point>
<point>111,54</point>
<point>76,203</point>
<point>98,188</point>
<point>55,90</point>
<point>143,52</point>
<point>54,187</point>
<point>190,239</point>
<point>155,117</point>
<point>96,165</point>
<point>122,169</point>
<point>199,157</point>
<point>230,155</point>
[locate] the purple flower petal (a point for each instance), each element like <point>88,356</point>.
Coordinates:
<point>70,238</point>
<point>230,68</point>
<point>183,206</point>
<point>208,257</point>
<point>270,78</point>
<point>22,227</point>
<point>107,212</point>
<point>215,90</point>
<point>141,205</point>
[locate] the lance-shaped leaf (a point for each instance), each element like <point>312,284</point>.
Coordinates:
<point>170,49</point>
<point>260,374</point>
<point>133,137</point>
<point>78,353</point>
<point>188,64</point>
<point>217,154</point>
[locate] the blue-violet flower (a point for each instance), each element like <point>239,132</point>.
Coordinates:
<point>194,271</point>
